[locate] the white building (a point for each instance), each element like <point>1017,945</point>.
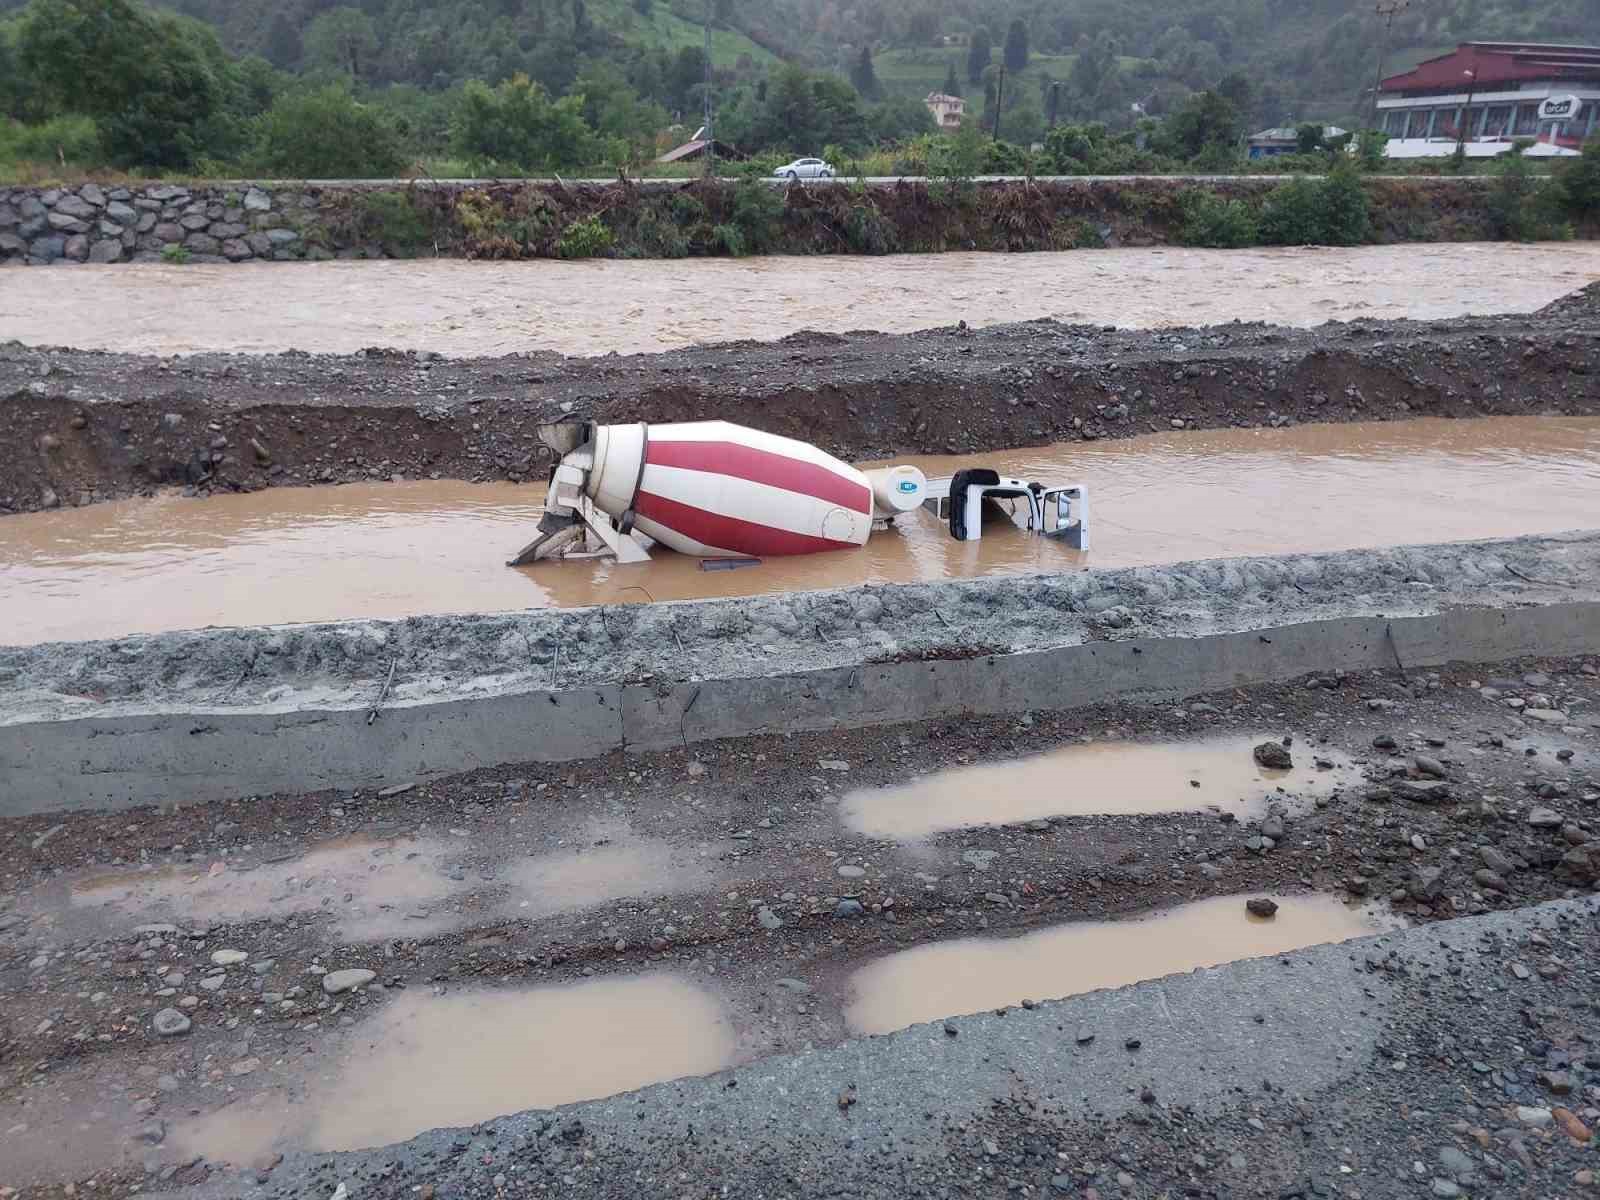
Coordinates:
<point>1485,94</point>
<point>947,110</point>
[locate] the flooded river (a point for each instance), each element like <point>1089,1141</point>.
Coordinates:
<point>400,549</point>
<point>588,308</point>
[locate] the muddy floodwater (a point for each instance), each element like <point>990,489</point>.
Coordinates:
<point>401,549</point>
<point>485,308</point>
<point>968,975</point>
<point>1097,779</point>
<point>428,1061</point>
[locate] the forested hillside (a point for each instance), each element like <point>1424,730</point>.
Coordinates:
<point>509,84</point>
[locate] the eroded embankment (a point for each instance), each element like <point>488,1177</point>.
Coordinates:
<point>223,713</point>
<point>88,426</point>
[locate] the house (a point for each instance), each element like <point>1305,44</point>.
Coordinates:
<point>1270,143</point>
<point>947,110</point>
<point>696,148</point>
<point>1483,95</point>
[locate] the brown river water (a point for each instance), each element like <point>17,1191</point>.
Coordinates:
<point>401,549</point>
<point>589,308</point>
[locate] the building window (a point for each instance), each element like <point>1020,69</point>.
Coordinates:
<point>1394,123</point>
<point>1527,120</point>
<point>1497,120</point>
<point>1417,127</point>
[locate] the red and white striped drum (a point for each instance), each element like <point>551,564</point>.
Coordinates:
<point>711,488</point>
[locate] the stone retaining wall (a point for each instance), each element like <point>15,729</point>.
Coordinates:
<point>160,222</point>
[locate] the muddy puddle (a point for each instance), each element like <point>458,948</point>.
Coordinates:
<point>427,1061</point>
<point>1107,778</point>
<point>377,888</point>
<point>400,549</point>
<point>972,974</point>
<point>478,308</point>
<point>373,888</point>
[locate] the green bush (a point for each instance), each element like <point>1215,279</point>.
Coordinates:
<point>1209,220</point>
<point>585,238</point>
<point>757,215</point>
<point>1524,207</point>
<point>326,134</point>
<point>175,254</point>
<point>60,140</point>
<point>868,232</point>
<point>395,220</point>
<point>1578,183</point>
<point>1332,211</point>
<point>1291,215</point>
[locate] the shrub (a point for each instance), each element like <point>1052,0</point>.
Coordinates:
<point>585,238</point>
<point>868,232</point>
<point>1291,215</point>
<point>1523,207</point>
<point>175,254</point>
<point>1333,211</point>
<point>1209,220</point>
<point>60,140</point>
<point>757,211</point>
<point>1578,183</point>
<point>394,220</point>
<point>326,134</point>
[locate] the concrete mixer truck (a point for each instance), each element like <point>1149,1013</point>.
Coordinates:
<point>718,490</point>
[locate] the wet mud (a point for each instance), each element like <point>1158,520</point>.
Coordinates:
<point>90,427</point>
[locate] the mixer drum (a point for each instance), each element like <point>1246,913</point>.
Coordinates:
<point>711,488</point>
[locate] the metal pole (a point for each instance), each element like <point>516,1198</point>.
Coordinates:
<point>999,101</point>
<point>1466,115</point>
<point>1385,9</point>
<point>710,135</point>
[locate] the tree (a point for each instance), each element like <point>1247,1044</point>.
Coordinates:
<point>864,77</point>
<point>644,7</point>
<point>952,86</point>
<point>978,56</point>
<point>1206,121</point>
<point>146,79</point>
<point>1017,46</point>
<point>1308,137</point>
<point>283,42</point>
<point>899,119</point>
<point>343,40</point>
<point>923,29</point>
<point>326,134</point>
<point>517,125</point>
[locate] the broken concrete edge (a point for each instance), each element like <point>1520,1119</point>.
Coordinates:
<point>390,664</point>
<point>1310,1019</point>
<point>186,756</point>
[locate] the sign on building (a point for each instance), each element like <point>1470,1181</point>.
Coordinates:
<point>1559,108</point>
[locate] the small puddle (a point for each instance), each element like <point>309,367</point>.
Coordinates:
<point>564,882</point>
<point>974,974</point>
<point>428,1062</point>
<point>374,888</point>
<point>1098,779</point>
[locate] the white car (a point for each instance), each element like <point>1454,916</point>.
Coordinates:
<point>805,168</point>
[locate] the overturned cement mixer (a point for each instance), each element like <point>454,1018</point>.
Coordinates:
<point>717,490</point>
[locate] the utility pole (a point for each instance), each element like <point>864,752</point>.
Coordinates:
<point>1055,102</point>
<point>710,136</point>
<point>1466,114</point>
<point>999,100</point>
<point>1387,10</point>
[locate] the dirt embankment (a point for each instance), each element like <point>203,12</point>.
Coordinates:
<point>84,426</point>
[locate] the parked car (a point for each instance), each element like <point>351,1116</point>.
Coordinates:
<point>805,168</point>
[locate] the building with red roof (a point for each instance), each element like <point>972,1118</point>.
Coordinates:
<point>1484,95</point>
